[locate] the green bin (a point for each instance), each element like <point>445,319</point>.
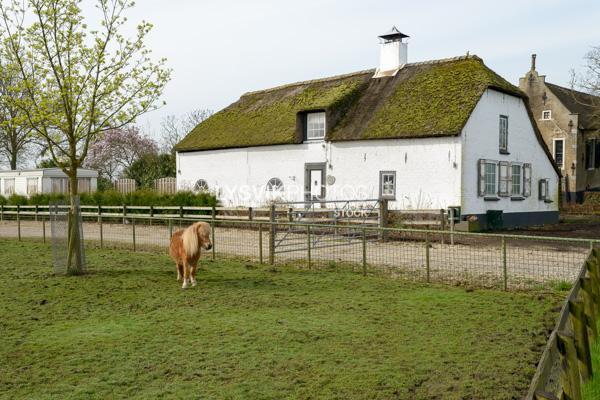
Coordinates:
<point>494,220</point>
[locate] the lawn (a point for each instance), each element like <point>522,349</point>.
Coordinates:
<point>127,330</point>
<point>591,390</point>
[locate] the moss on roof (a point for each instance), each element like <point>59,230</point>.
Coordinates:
<point>424,99</point>
<point>269,116</point>
<point>427,99</point>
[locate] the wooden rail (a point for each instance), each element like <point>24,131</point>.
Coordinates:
<point>566,361</point>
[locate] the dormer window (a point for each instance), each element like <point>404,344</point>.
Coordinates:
<point>315,125</point>
<point>546,115</point>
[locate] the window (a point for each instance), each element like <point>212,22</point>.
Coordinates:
<point>590,147</point>
<point>544,189</point>
<point>59,185</point>
<point>201,186</point>
<point>546,115</point>
<point>490,179</point>
<point>315,126</point>
<point>503,134</point>
<point>387,185</point>
<point>275,185</point>
<point>517,179</point>
<point>526,180</point>
<point>32,186</point>
<point>505,179</point>
<point>9,186</point>
<point>84,185</point>
<point>559,151</point>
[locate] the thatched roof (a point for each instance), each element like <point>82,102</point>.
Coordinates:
<point>425,99</point>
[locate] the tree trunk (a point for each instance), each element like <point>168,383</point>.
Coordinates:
<point>13,161</point>
<point>74,256</point>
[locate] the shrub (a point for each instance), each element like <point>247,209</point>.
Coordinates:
<point>17,200</point>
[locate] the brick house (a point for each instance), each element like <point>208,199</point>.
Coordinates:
<point>568,121</point>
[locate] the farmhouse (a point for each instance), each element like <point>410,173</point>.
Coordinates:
<point>423,135</point>
<point>568,121</point>
<point>44,180</point>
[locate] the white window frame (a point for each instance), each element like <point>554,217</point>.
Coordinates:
<point>549,112</point>
<point>544,189</point>
<point>32,183</point>
<point>274,185</point>
<point>201,186</point>
<point>493,192</point>
<point>562,164</point>
<point>519,192</point>
<point>386,193</point>
<point>316,125</point>
<point>503,133</point>
<point>6,192</point>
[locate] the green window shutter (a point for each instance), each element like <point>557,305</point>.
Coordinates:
<point>481,178</point>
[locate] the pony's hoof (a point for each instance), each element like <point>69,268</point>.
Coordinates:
<point>185,285</point>
<point>194,283</point>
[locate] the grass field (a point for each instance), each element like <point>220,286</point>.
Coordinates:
<point>591,391</point>
<point>126,330</point>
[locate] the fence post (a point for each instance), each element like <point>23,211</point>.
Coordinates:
<point>442,224</point>
<point>290,214</point>
<point>98,212</point>
<point>36,212</point>
<point>427,263</point>
<point>101,231</point>
<point>364,251</point>
<point>569,370</point>
<point>582,343</point>
<point>133,232</point>
<point>250,216</point>
<point>504,268</point>
<point>180,211</point>
<point>1,212</point>
<point>44,229</point>
<point>589,306</point>
<point>260,243</point>
<point>213,213</point>
<point>19,221</point>
<point>383,218</point>
<point>451,226</point>
<point>151,214</point>
<point>308,247</point>
<point>212,235</point>
<point>272,235</point>
<point>170,229</point>
<point>124,213</point>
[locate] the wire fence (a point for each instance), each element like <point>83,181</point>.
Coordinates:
<point>480,259</point>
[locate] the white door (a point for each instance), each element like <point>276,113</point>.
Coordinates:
<point>316,184</point>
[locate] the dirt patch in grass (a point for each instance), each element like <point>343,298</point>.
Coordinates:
<point>126,330</point>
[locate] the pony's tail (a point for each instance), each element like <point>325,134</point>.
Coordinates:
<point>190,241</point>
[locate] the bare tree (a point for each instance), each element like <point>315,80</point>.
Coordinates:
<point>174,129</point>
<point>588,82</point>
<point>79,82</point>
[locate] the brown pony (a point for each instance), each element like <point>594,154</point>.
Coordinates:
<point>185,250</point>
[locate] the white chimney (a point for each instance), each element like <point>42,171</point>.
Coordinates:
<point>393,53</point>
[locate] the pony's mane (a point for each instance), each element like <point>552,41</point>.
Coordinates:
<point>190,240</point>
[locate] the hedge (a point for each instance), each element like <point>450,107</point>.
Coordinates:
<point>114,198</point>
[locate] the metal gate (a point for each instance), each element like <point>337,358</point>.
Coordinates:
<point>338,220</point>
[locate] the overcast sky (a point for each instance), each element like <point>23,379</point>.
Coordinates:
<point>221,49</point>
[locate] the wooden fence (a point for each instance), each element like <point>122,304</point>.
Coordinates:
<point>165,185</point>
<point>566,362</point>
<point>125,185</point>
